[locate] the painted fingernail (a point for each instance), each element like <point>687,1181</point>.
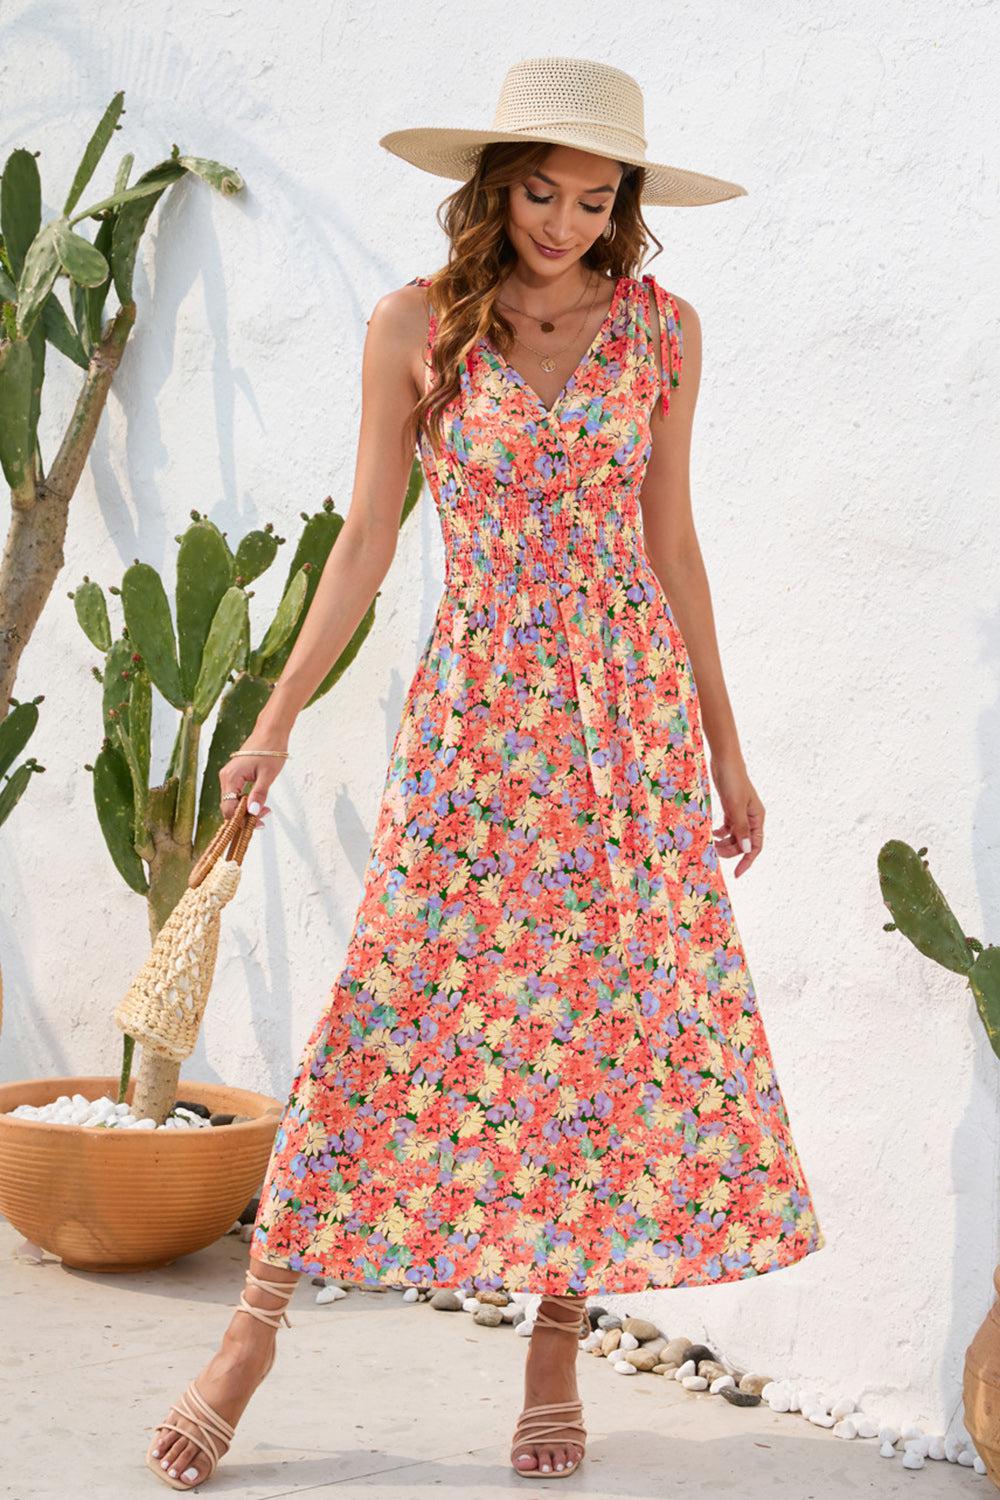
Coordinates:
<point>190,1474</point>
<point>255,807</point>
<point>745,845</point>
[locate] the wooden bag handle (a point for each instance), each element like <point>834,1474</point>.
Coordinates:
<point>235,832</point>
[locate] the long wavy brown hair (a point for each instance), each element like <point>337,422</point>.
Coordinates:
<point>464,292</point>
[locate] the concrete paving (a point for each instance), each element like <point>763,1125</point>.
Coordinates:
<point>369,1397</point>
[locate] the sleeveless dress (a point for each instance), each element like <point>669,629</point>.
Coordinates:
<point>542,1067</point>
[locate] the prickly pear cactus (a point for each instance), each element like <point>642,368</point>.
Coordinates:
<point>199,656</point>
<point>921,913</point>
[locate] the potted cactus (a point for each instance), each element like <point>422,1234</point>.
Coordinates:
<point>921,913</point>
<point>110,1199</point>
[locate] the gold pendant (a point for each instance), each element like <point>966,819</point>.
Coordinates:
<point>547,363</point>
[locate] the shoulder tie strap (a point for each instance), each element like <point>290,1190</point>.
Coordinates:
<point>671,337</point>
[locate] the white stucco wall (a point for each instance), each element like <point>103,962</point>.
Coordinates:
<point>844,480</point>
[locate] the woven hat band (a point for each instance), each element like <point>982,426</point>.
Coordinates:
<point>631,142</point>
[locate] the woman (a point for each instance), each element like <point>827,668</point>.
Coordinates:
<point>542,1067</point>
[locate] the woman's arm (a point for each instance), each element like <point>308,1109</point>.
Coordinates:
<point>671,544</point>
<point>363,551</point>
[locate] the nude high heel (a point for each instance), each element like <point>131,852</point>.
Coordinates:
<point>553,1421</point>
<point>195,1419</point>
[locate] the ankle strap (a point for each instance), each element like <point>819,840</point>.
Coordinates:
<point>270,1315</point>
<point>576,1326</point>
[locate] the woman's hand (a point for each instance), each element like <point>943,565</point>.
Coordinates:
<point>742,828</point>
<point>253,773</point>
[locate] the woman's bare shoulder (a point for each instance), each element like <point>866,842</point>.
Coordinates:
<point>398,326</point>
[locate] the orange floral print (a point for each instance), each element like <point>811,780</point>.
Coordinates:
<point>542,1066</point>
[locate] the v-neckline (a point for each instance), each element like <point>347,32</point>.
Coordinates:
<point>519,380</point>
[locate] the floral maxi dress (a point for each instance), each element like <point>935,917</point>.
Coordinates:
<point>542,1067</point>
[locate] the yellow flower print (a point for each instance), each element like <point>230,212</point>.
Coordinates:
<point>717,1196</point>
<point>472,1122</point>
<point>420,1096</point>
<point>394,1224</point>
<point>763,1251</point>
<point>471,1219</point>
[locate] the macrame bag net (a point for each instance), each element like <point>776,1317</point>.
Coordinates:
<point>166,1000</point>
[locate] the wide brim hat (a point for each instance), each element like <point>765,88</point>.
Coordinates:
<point>564,101</point>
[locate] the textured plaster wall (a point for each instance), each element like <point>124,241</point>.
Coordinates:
<point>844,481</point>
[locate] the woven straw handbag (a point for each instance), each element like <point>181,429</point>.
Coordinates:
<point>166,999</point>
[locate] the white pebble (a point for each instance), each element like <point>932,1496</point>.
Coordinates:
<point>918,1445</point>
<point>624,1368</point>
<point>721,1382</point>
<point>845,1428</point>
<point>820,1418</point>
<point>687,1368</point>
<point>105,1113</point>
<point>843,1407</point>
<point>953,1446</point>
<point>628,1341</point>
<point>935,1447</point>
<point>695,1383</point>
<point>867,1426</point>
<point>909,1433</point>
<point>330,1294</point>
<point>594,1340</point>
<point>235,1227</point>
<point>524,1328</point>
<point>888,1434</point>
<point>780,1398</point>
<point>913,1459</point>
<point>509,1312</point>
<point>978,1465</point>
<point>411,1294</point>
<point>887,1451</point>
<point>28,1250</point>
<point>966,1459</point>
<point>471,1304</point>
<point>246,1233</point>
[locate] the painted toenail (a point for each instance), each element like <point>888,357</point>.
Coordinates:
<point>190,1474</point>
<point>172,1473</point>
<point>560,1466</point>
<point>545,1468</point>
<point>156,1452</point>
<point>164,1462</point>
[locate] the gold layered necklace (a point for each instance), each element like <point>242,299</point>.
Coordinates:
<point>545,357</point>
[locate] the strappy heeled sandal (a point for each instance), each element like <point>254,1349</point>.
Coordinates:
<point>558,1422</point>
<point>199,1422</point>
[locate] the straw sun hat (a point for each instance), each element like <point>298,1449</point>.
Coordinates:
<point>566,101</point>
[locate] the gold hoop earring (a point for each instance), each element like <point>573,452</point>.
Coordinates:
<point>612,224</point>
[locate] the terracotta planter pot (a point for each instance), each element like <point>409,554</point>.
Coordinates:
<point>981,1387</point>
<point>129,1200</point>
